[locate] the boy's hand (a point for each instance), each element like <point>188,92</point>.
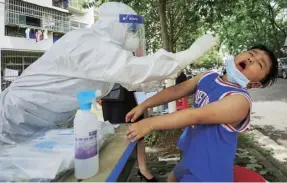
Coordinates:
<point>138,130</point>
<point>136,112</point>
<point>99,102</point>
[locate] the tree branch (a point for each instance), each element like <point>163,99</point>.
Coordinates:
<point>176,36</point>
<point>272,20</point>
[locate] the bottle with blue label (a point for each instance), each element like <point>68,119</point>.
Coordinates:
<point>86,126</point>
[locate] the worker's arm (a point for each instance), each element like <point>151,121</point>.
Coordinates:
<point>161,65</point>
<point>167,95</point>
<point>108,62</point>
<point>230,110</point>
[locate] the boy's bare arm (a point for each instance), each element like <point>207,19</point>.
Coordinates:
<point>229,110</point>
<point>172,93</point>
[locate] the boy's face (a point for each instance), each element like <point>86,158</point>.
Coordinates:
<point>254,64</point>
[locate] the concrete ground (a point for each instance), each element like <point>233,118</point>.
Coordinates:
<point>269,117</point>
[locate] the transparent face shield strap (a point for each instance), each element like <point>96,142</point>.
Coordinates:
<point>135,24</point>
<point>141,51</point>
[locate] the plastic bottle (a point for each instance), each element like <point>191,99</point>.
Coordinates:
<point>86,126</point>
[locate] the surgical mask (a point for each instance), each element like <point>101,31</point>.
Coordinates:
<point>132,42</point>
<point>234,75</point>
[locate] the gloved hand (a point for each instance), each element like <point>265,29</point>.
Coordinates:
<point>198,49</point>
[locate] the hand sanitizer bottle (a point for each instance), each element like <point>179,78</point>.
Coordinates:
<point>86,128</point>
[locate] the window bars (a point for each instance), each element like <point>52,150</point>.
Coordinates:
<point>25,14</point>
<point>13,63</point>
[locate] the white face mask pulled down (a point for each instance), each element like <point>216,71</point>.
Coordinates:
<point>234,75</point>
<point>132,42</point>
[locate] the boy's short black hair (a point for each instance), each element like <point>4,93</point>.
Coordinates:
<point>271,77</point>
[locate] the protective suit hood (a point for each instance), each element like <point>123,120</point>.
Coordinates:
<point>108,25</point>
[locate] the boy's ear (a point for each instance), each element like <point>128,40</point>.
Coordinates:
<point>254,85</point>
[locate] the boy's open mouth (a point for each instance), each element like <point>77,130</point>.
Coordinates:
<point>241,66</point>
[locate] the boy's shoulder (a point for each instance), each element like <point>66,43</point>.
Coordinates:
<point>213,78</point>
<point>210,75</point>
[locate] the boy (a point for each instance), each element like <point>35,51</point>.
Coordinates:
<point>221,110</point>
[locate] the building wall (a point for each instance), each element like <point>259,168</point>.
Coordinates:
<point>47,3</point>
<point>30,45</point>
<point>26,44</point>
<point>9,42</point>
<point>2,22</point>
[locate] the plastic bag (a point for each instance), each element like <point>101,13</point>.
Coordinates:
<point>47,154</point>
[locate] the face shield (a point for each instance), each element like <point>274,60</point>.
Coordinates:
<point>136,28</point>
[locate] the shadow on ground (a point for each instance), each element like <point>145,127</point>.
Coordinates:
<point>279,136</point>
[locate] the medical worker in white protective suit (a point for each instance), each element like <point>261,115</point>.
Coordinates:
<point>87,59</point>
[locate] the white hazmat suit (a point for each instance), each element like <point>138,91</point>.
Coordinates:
<point>95,58</point>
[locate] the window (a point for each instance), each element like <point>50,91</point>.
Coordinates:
<point>33,21</point>
<point>74,25</point>
<point>19,32</point>
<point>25,14</point>
<point>57,36</point>
<point>14,63</point>
<point>15,31</point>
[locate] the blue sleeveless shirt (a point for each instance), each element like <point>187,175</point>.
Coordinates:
<point>209,150</point>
